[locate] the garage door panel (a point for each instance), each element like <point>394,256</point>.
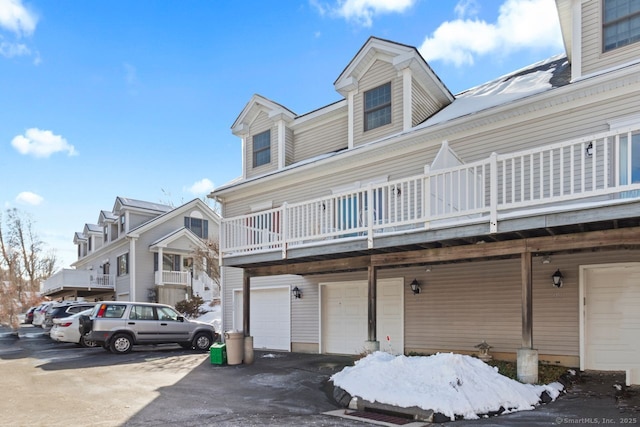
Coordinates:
<point>612,318</point>
<point>270,320</point>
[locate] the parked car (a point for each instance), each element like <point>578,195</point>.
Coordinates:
<point>40,312</point>
<point>28,315</point>
<point>65,309</point>
<point>117,326</point>
<point>66,329</point>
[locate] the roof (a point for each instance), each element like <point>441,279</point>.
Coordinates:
<point>141,204</point>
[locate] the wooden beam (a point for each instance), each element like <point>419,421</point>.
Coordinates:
<point>246,299</point>
<point>558,243</point>
<point>372,296</point>
<point>527,301</point>
<point>313,267</point>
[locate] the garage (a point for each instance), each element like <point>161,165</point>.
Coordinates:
<point>610,340</point>
<point>270,321</point>
<point>344,310</point>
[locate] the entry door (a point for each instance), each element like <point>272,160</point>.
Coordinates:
<point>612,319</point>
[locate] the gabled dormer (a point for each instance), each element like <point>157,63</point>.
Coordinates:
<point>389,88</point>
<point>109,223</point>
<point>267,139</point>
<point>93,233</point>
<point>599,34</point>
<point>132,213</point>
<point>80,240</point>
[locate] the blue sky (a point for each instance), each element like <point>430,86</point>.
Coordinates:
<point>100,99</point>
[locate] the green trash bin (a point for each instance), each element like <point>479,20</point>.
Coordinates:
<point>218,353</point>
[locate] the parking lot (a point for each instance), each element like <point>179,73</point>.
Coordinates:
<point>45,383</point>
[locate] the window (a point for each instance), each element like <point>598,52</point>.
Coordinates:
<point>123,264</point>
<point>142,312</point>
<point>122,221</point>
<point>170,262</point>
<point>621,23</point>
<point>262,149</point>
<point>377,107</point>
<point>105,236</point>
<point>199,226</point>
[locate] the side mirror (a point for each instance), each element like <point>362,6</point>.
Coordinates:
<point>180,319</point>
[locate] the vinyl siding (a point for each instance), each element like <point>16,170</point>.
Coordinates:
<point>594,59</point>
<point>137,219</point>
<point>423,106</point>
<point>289,154</point>
<point>321,139</point>
<point>261,124</point>
<point>380,73</point>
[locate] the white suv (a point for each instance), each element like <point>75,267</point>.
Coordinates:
<point>117,326</point>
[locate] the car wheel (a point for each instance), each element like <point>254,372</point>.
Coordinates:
<point>202,341</point>
<point>120,344</point>
<point>87,343</point>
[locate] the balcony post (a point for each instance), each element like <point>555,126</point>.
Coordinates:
<point>493,196</point>
<point>370,208</point>
<point>160,272</point>
<point>284,223</point>
<point>372,343</point>
<point>246,299</point>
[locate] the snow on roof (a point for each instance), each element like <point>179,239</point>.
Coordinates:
<point>452,384</point>
<point>144,205</point>
<point>536,78</point>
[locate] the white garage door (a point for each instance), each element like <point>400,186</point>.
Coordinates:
<point>612,319</point>
<point>344,316</point>
<point>270,320</point>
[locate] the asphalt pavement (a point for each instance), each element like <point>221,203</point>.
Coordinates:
<point>287,389</point>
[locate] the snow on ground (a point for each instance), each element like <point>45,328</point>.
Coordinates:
<point>452,384</point>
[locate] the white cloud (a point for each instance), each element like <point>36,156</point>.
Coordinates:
<point>16,18</point>
<point>9,49</point>
<point>521,24</point>
<point>29,198</point>
<point>362,11</point>
<point>201,187</point>
<point>41,143</point>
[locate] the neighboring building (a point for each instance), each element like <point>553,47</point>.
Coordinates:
<point>140,251</point>
<point>479,197</point>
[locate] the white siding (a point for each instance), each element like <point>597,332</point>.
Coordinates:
<point>261,124</point>
<point>321,139</point>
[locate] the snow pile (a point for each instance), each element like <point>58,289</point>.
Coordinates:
<point>451,384</point>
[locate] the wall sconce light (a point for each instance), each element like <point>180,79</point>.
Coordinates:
<point>589,149</point>
<point>415,286</point>
<point>557,279</point>
<point>297,293</point>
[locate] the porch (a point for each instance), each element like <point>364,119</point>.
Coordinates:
<point>549,190</point>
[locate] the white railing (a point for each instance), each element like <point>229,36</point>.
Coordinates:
<point>597,168</point>
<point>166,277</point>
<point>70,278</point>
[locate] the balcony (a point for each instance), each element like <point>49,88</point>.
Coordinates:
<point>77,281</point>
<point>166,277</point>
<point>586,172</point>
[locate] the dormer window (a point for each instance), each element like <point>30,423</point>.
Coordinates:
<point>377,107</point>
<point>262,149</point>
<point>122,223</point>
<point>621,23</point>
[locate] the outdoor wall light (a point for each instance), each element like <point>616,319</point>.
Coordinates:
<point>557,279</point>
<point>415,286</point>
<point>297,293</point>
<point>589,149</point>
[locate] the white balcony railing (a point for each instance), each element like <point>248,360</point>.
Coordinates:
<point>166,277</point>
<point>70,278</point>
<point>598,168</point>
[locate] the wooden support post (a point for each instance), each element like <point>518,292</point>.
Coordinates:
<point>527,305</point>
<point>246,299</point>
<point>372,303</point>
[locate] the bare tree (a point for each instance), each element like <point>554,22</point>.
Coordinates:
<point>205,258</point>
<point>23,265</point>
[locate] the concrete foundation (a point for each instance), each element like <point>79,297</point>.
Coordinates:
<point>248,350</point>
<point>527,365</point>
<point>371,346</point>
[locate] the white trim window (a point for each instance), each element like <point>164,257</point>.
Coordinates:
<point>262,149</point>
<point>620,23</point>
<point>377,107</point>
<point>123,264</point>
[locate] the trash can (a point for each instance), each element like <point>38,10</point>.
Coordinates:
<point>235,347</point>
<point>218,353</point>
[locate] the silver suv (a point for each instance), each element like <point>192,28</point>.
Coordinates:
<point>117,326</point>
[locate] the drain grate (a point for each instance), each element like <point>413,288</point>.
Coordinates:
<point>375,416</point>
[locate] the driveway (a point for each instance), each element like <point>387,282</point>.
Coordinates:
<point>49,384</point>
